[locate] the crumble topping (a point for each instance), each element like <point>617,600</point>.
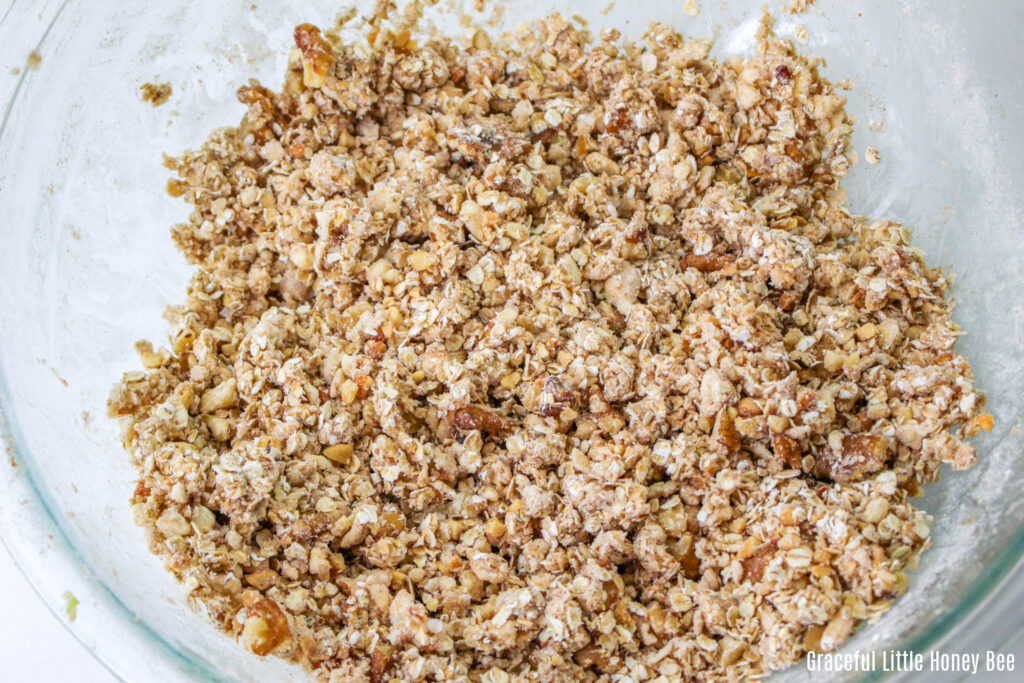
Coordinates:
<point>542,359</point>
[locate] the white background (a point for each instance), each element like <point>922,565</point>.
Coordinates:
<point>34,645</point>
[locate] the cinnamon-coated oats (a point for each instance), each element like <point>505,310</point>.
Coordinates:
<point>542,360</point>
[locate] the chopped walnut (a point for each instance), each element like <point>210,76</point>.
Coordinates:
<point>858,456</point>
<point>155,93</point>
<point>317,55</point>
<point>266,628</point>
<point>487,421</point>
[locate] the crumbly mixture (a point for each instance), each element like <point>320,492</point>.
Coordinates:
<point>547,360</point>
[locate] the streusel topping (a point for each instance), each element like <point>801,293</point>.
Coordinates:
<point>542,359</point>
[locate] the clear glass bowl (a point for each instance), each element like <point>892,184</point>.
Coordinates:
<point>88,267</point>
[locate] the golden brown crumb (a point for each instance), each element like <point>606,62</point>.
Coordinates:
<point>542,360</point>
<point>155,94</point>
<point>34,60</point>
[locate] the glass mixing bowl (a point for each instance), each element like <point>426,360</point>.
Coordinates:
<point>88,266</point>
